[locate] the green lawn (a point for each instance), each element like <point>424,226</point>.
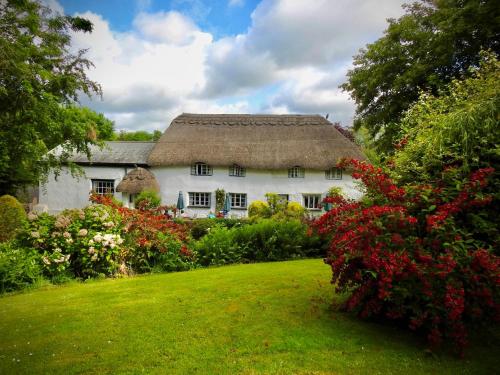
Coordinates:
<point>259,318</point>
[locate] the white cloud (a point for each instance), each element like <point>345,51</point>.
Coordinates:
<point>166,64</point>
<point>167,27</point>
<point>144,74</point>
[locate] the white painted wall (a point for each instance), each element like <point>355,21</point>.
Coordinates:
<point>255,184</point>
<point>72,192</point>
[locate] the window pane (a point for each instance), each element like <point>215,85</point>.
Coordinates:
<point>102,187</point>
<point>199,199</point>
<point>238,200</point>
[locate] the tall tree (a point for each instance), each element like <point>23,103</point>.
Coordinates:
<point>434,42</point>
<point>40,80</point>
<point>139,135</point>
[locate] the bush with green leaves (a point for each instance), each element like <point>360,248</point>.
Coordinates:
<point>458,129</point>
<point>12,217</point>
<point>200,227</point>
<point>19,267</point>
<point>264,240</point>
<point>84,243</point>
<point>147,199</point>
<point>270,240</point>
<point>218,247</point>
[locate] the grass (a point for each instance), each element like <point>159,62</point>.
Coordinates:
<point>245,319</point>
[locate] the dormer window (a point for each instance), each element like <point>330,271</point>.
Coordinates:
<point>201,169</point>
<point>236,171</point>
<point>296,172</point>
<point>333,174</point>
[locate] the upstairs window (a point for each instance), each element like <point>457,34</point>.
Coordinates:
<point>199,199</point>
<point>236,171</point>
<point>312,201</point>
<point>103,187</point>
<point>333,174</point>
<point>238,200</point>
<point>201,169</point>
<point>296,172</point>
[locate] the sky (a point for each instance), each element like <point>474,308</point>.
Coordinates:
<point>156,59</point>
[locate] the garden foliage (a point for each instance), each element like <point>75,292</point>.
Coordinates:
<point>264,240</point>
<point>147,199</point>
<point>424,254</point>
<point>12,217</point>
<point>19,268</point>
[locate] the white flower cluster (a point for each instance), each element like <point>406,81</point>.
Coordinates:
<point>32,216</point>
<point>109,224</point>
<point>106,240</point>
<point>61,258</point>
<point>83,232</point>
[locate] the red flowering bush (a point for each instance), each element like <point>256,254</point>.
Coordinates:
<point>153,240</point>
<point>423,254</point>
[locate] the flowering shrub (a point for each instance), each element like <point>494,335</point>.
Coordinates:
<point>153,241</point>
<point>82,242</point>
<point>418,254</point>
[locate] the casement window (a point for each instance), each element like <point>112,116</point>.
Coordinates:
<point>333,174</point>
<point>201,169</point>
<point>103,187</point>
<point>236,171</point>
<point>296,172</point>
<point>284,197</point>
<point>199,199</point>
<point>312,201</point>
<point>238,200</point>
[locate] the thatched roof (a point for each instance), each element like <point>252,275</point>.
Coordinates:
<point>137,180</point>
<point>253,141</point>
<point>114,152</point>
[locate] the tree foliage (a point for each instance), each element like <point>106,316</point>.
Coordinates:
<point>139,135</point>
<point>457,129</point>
<point>40,80</point>
<point>433,43</point>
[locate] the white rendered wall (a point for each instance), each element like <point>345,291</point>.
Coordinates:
<point>72,192</point>
<point>255,184</point>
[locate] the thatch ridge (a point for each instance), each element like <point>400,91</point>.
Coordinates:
<point>253,141</point>
<point>137,180</point>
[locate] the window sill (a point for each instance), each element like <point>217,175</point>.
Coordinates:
<point>198,207</point>
<point>238,208</point>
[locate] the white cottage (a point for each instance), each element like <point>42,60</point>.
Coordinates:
<point>245,155</point>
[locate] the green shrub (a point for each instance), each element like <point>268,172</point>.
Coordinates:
<point>147,200</point>
<point>19,268</point>
<point>200,227</point>
<point>217,247</point>
<point>270,240</point>
<point>265,240</point>
<point>259,209</point>
<point>84,243</point>
<point>165,252</point>
<point>12,217</point>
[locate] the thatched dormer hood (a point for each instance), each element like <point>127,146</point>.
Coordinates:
<point>253,141</point>
<point>138,180</point>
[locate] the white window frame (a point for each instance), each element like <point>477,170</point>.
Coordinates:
<point>238,200</point>
<point>201,169</point>
<point>312,201</point>
<point>237,171</point>
<point>103,186</point>
<point>199,199</point>
<point>334,174</point>
<point>296,172</point>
